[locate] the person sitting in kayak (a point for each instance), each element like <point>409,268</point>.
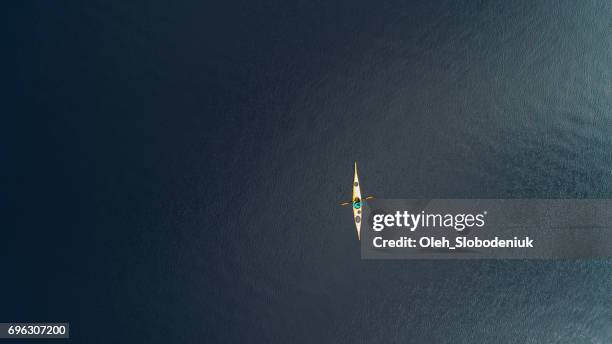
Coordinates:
<point>357,202</point>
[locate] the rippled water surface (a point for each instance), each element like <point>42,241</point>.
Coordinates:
<point>188,160</point>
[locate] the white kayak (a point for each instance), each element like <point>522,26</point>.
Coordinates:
<point>357,203</point>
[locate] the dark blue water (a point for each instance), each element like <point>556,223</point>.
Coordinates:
<point>174,169</point>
